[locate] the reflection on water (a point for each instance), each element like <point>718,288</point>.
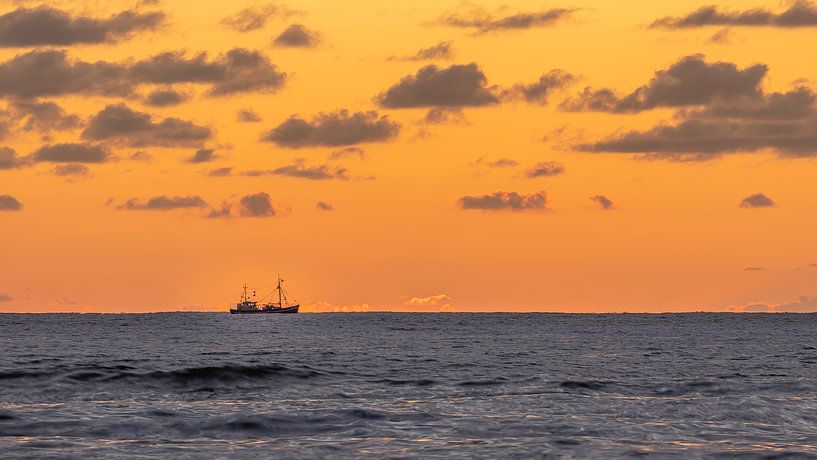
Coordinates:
<point>428,385</point>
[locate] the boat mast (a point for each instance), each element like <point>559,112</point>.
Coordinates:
<point>280,301</point>
<point>244,297</point>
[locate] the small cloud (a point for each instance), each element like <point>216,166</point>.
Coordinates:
<point>297,36</point>
<point>5,298</point>
<point>757,200</point>
<point>220,172</point>
<point>538,91</point>
<point>254,18</point>
<point>442,50</point>
<point>252,205</point>
<point>248,116</point>
<point>256,205</point>
<point>120,124</point>
<point>454,86</point>
<point>335,129</point>
<point>545,169</point>
<point>324,206</point>
<point>483,22</point>
<point>72,153</point>
<point>140,155</point>
<point>203,156</point>
<point>164,203</point>
<point>721,37</point>
<point>166,98</point>
<point>500,163</point>
<point>505,201</point>
<point>804,304</point>
<point>299,169</point>
<point>72,169</point>
<point>9,203</point>
<point>603,202</point>
<point>442,115</point>
<point>754,269</point>
<point>10,160</point>
<point>439,301</point>
<point>348,152</point>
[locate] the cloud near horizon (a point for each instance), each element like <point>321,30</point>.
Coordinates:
<point>505,201</point>
<point>804,304</point>
<point>164,203</point>
<point>758,200</point>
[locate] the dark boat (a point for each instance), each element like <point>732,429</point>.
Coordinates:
<point>249,307</point>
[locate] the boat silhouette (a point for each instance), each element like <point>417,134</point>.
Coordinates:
<point>248,306</point>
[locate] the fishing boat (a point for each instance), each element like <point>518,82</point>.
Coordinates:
<point>248,306</point>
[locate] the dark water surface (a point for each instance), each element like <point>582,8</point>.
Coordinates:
<point>207,385</point>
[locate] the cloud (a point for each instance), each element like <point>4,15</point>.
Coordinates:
<point>348,152</point>
<point>698,140</point>
<point>455,86</point>
<point>9,203</point>
<point>72,169</point>
<point>689,82</point>
<point>603,202</point>
<point>324,206</point>
<point>782,122</point>
<point>256,205</point>
<point>140,155</point>
<point>165,98</point>
<point>44,25</point>
<point>220,172</point>
<point>804,304</point>
<point>72,153</point>
<point>164,203</point>
<point>484,22</point>
<point>203,156</point>
<point>442,115</point>
<point>500,163</point>
<point>300,170</point>
<point>721,37</point>
<point>252,205</point>
<point>335,129</point>
<point>441,301</point>
<point>545,169</point>
<point>236,71</point>
<point>122,125</point>
<point>505,201</point>
<point>247,116</point>
<point>254,18</point>
<point>44,116</point>
<point>800,13</point>
<point>43,72</point>
<point>297,36</point>
<point>9,159</point>
<point>539,91</point>
<point>758,200</point>
<point>5,298</point>
<point>754,269</point>
<point>442,50</point>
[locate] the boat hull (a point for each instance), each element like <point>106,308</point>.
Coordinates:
<point>289,310</point>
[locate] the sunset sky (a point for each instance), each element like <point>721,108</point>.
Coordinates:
<point>576,156</point>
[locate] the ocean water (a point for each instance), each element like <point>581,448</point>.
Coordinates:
<point>208,385</point>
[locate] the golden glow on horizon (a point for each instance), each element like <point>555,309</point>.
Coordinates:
<point>677,240</point>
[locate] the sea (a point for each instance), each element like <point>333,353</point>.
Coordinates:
<point>408,385</point>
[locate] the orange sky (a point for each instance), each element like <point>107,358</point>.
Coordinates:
<point>398,238</point>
